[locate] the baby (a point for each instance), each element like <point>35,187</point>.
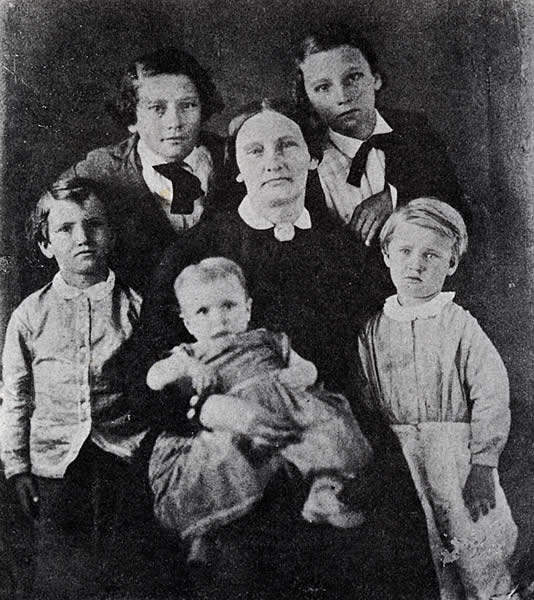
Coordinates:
<point>263,389</point>
<point>442,384</point>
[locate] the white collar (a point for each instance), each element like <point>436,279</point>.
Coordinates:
<point>433,307</point>
<point>94,292</point>
<point>252,219</point>
<point>150,158</point>
<point>349,145</point>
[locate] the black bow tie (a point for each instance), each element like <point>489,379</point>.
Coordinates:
<point>185,187</point>
<point>359,162</point>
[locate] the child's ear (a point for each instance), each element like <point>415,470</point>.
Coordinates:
<point>249,305</point>
<point>44,247</point>
<point>385,256</point>
<point>453,266</point>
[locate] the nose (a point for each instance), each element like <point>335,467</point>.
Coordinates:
<point>416,262</point>
<point>343,94</point>
<point>273,160</point>
<point>81,234</point>
<point>173,117</point>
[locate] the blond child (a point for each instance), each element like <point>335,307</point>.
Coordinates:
<point>65,426</point>
<point>260,406</point>
<point>443,386</point>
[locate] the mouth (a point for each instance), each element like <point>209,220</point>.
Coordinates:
<point>277,181</point>
<point>86,253</point>
<point>176,139</point>
<point>348,113</point>
<point>413,278</point>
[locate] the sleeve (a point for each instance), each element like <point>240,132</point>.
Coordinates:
<point>17,399</point>
<point>487,386</point>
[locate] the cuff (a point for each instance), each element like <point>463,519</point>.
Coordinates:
<point>487,459</point>
<point>393,192</point>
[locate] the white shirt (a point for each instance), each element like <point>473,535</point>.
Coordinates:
<point>284,232</point>
<point>344,149</point>
<point>198,163</point>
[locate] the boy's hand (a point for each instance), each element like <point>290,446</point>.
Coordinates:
<point>203,378</point>
<point>479,491</point>
<point>27,494</point>
<point>370,215</point>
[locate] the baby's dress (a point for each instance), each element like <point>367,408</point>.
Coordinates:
<point>442,385</point>
<point>215,480</point>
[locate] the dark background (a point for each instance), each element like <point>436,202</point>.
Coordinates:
<point>468,64</point>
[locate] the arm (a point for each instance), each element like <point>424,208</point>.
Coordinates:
<point>17,399</point>
<point>299,373</point>
<point>487,384</point>
<point>179,366</point>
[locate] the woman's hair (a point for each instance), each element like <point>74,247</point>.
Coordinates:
<point>429,213</point>
<point>165,61</point>
<point>324,38</point>
<point>313,135</point>
<point>70,189</point>
<point>210,269</point>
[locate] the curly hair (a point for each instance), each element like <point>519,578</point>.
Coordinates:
<point>165,61</point>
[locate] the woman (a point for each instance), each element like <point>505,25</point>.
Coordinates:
<point>304,280</point>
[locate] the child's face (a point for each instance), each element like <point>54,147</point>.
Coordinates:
<point>419,260</point>
<point>341,88</point>
<point>168,115</point>
<point>80,240</point>
<point>214,308</point>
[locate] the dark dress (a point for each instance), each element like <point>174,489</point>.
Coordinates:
<point>315,289</point>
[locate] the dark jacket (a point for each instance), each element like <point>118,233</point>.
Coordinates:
<point>142,227</point>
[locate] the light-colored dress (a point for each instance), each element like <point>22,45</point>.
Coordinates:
<point>444,388</point>
<point>211,479</point>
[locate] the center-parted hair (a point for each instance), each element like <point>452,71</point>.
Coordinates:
<point>210,269</point>
<point>313,135</point>
<point>71,189</point>
<point>429,213</point>
<point>165,61</point>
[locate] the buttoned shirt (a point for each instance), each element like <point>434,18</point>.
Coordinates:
<point>199,163</point>
<point>344,149</point>
<point>63,376</point>
<point>432,362</point>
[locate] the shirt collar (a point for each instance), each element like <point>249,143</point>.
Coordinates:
<point>349,145</point>
<point>94,292</point>
<point>432,308</point>
<point>252,219</point>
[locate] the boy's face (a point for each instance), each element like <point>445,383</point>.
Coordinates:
<point>341,88</point>
<point>215,308</point>
<point>80,240</point>
<point>168,115</point>
<point>419,260</point>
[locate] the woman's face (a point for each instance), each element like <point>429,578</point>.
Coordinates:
<point>273,160</point>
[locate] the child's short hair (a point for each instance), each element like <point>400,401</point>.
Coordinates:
<point>165,61</point>
<point>70,189</point>
<point>429,213</point>
<point>210,269</point>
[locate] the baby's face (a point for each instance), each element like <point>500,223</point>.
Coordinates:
<point>419,260</point>
<point>211,309</point>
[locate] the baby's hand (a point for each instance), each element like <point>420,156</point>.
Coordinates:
<point>479,491</point>
<point>203,378</point>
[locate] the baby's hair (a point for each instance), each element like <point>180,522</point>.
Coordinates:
<point>210,269</point>
<point>429,213</point>
<point>70,189</point>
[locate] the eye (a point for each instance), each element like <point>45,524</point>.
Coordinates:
<point>404,251</point>
<point>157,108</point>
<point>255,150</point>
<point>353,77</point>
<point>228,305</point>
<point>190,104</point>
<point>288,143</point>
<point>430,255</point>
<point>65,228</point>
<point>321,88</point>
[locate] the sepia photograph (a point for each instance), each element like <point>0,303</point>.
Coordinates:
<point>266,299</point>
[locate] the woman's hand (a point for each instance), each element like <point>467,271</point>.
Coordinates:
<point>479,491</point>
<point>234,414</point>
<point>370,215</point>
<point>27,494</point>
